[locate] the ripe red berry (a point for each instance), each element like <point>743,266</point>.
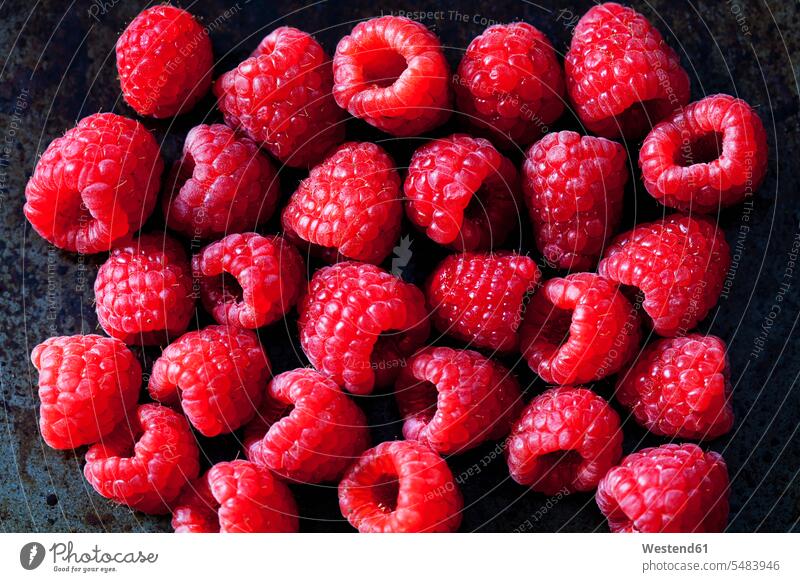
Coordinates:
<point>567,439</point>
<point>391,72</point>
<point>400,487</point>
<point>95,185</point>
<point>672,488</point>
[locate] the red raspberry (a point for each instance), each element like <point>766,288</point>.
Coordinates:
<point>281,97</point>
<point>307,430</point>
<point>566,439</point>
<point>579,329</point>
<point>96,184</point>
<point>573,188</point>
<point>145,466</point>
<point>348,206</point>
<point>509,83</point>
<point>358,323</point>
<point>221,184</point>
<point>453,400</point>
<point>217,373</point>
<point>143,292</point>
<point>391,72</point>
<point>711,154</point>
<point>248,280</point>
<point>679,263</point>
<point>400,487</point>
<point>463,192</point>
<point>478,298</point>
<point>236,497</point>
<point>87,385</point>
<point>622,77</point>
<point>672,488</point>
<point>680,387</point>
<point>164,62</point>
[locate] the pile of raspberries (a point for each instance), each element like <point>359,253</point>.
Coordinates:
<point>364,329</point>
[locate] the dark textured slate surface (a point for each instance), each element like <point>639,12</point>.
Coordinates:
<point>58,66</point>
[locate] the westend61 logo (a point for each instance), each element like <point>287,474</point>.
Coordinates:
<point>66,558</point>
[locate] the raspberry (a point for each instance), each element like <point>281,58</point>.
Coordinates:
<point>509,83</point>
<point>217,373</point>
<point>711,154</point>
<point>145,465</point>
<point>462,192</point>
<point>358,323</point>
<point>236,497</point>
<point>679,263</point>
<point>672,488</point>
<point>307,430</point>
<point>248,280</point>
<point>400,487</point>
<point>221,184</point>
<point>391,72</point>
<point>143,292</point>
<point>579,329</point>
<point>573,188</point>
<point>478,298</point>
<point>164,62</point>
<point>453,400</point>
<point>281,97</point>
<point>87,384</point>
<point>622,77</point>
<point>680,387</point>
<point>566,439</point>
<point>348,206</point>
<point>96,184</point>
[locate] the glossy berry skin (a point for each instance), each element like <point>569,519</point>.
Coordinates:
<point>281,98</point>
<point>579,329</point>
<point>358,324</point>
<point>349,206</point>
<point>236,497</point>
<point>95,185</point>
<point>622,77</point>
<point>574,187</point>
<point>307,429</point>
<point>145,464</point>
<point>217,374</point>
<point>462,192</point>
<point>400,487</point>
<point>164,62</point>
<point>680,387</point>
<point>566,439</point>
<point>478,298</point>
<point>509,83</point>
<point>248,280</point>
<point>725,160</point>
<point>87,386</point>
<point>453,400</point>
<point>143,292</point>
<point>391,72</point>
<point>221,185</point>
<point>673,488</point>
<point>679,263</point>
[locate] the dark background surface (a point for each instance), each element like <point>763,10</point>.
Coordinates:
<point>58,66</point>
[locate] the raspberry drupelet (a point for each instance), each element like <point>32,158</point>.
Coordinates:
<point>95,185</point>
<point>391,72</point>
<point>574,187</point>
<point>248,280</point>
<point>709,155</point>
<point>358,324</point>
<point>453,400</point>
<point>401,487</point>
<point>462,192</point>
<point>566,439</point>
<point>622,77</point>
